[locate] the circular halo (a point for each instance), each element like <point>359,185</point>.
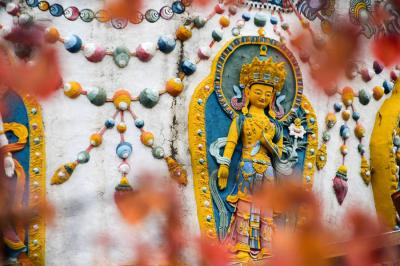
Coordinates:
<point>242,50</point>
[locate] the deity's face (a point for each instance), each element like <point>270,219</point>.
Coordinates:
<point>260,95</point>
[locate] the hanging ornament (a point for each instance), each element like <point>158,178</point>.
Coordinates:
<point>177,172</point>
<point>63,173</point>
<point>340,184</point>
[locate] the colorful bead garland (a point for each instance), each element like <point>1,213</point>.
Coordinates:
<point>122,100</point>
<point>348,95</point>
<point>72,13</point>
<point>121,55</point>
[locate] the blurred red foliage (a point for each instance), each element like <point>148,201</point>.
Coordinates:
<point>386,49</point>
<point>122,8</point>
<point>328,61</point>
<point>40,76</point>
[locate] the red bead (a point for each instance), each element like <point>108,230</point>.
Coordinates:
<point>219,9</point>
<point>393,76</point>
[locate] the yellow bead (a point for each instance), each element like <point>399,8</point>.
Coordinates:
<point>346,115</point>
<point>359,131</point>
<point>96,139</point>
<point>261,31</point>
<point>122,99</point>
<point>121,127</point>
<point>43,5</point>
<point>378,92</point>
<point>342,169</point>
<point>174,86</point>
<point>183,33</point>
<point>343,150</point>
<point>147,138</point>
<point>103,16</point>
<point>347,96</point>
<point>72,89</point>
<point>51,35</point>
<point>224,21</point>
<point>330,120</point>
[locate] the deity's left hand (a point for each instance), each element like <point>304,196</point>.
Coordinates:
<point>9,165</point>
<point>267,141</point>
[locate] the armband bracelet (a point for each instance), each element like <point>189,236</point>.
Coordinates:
<point>224,161</point>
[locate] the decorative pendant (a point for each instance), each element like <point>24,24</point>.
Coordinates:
<point>63,173</point>
<point>176,170</point>
<point>340,184</point>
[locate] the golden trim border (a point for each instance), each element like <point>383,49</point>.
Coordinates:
<point>37,181</point>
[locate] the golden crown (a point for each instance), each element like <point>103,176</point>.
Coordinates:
<point>264,72</point>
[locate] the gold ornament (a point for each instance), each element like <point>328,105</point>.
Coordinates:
<point>264,72</point>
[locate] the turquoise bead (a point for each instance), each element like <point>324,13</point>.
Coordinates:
<point>149,97</point>
<point>388,86</point>
<point>364,96</point>
<point>337,107</point>
<point>166,44</point>
<point>83,157</point>
<point>110,123</point>
<point>273,20</point>
<point>344,132</point>
<point>217,35</point>
<point>139,123</point>
<point>178,7</point>
<point>124,150</point>
<point>73,44</point>
<point>188,67</point>
<point>326,136</point>
<point>356,116</point>
<point>97,96</point>
<point>121,56</point>
<point>199,22</point>
<point>246,16</point>
<point>158,152</point>
<point>260,19</point>
<point>361,148</point>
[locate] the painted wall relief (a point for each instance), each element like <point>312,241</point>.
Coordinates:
<point>22,143</point>
<point>249,124</point>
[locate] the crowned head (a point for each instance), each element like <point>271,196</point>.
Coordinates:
<point>262,80</point>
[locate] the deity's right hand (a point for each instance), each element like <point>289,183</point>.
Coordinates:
<point>9,166</point>
<point>223,174</point>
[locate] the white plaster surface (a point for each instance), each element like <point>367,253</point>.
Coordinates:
<point>85,205</point>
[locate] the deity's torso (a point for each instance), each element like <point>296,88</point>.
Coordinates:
<point>255,127</point>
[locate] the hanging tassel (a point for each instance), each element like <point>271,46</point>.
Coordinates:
<point>365,170</point>
<point>340,184</point>
<point>177,172</point>
<point>322,157</point>
<point>123,185</point>
<point>63,173</point>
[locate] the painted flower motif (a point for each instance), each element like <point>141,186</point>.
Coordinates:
<point>296,129</point>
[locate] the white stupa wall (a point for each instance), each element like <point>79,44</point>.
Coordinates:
<point>85,207</point>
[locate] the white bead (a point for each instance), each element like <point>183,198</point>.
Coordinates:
<point>124,168</point>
